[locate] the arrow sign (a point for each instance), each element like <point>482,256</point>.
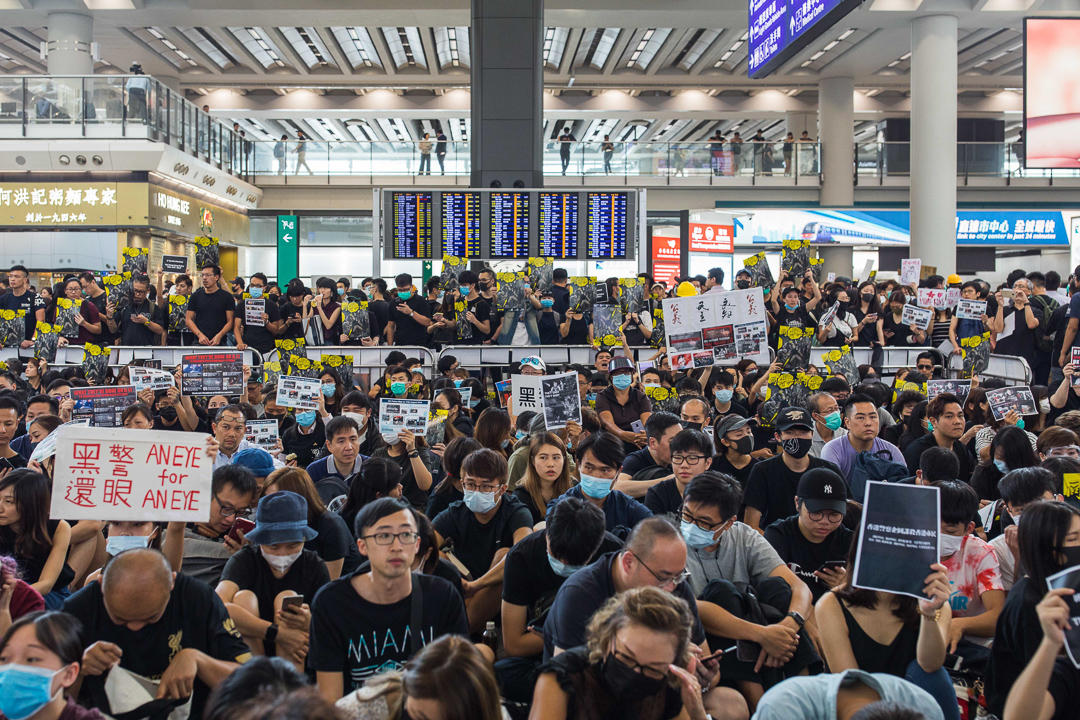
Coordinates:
<point>288,252</point>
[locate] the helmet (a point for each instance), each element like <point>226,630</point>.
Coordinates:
<point>953,279</point>
<point>686,289</point>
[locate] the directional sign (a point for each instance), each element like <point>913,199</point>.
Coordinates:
<point>288,247</point>
<point>779,29</point>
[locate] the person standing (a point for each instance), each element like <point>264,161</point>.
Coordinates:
<point>210,310</point>
<point>789,150</point>
<point>425,147</point>
<point>22,297</point>
<point>280,154</point>
<point>440,151</point>
<point>609,149</point>
<point>565,140</point>
<point>139,322</point>
<point>301,153</point>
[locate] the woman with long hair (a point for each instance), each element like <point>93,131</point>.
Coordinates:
<point>1010,449</point>
<point>334,543</point>
<point>1049,540</point>
<point>332,390</point>
<point>415,460</point>
<point>428,560</point>
<point>977,408</point>
<point>478,401</point>
<point>449,490</point>
<point>88,319</point>
<point>38,544</point>
<point>895,332</point>
<point>905,402</point>
<point>378,478</point>
<point>495,431</point>
<point>35,371</point>
<point>882,632</point>
<point>547,476</point>
<point>867,312</point>
<point>443,326</point>
<point>457,423</point>
<point>915,426</point>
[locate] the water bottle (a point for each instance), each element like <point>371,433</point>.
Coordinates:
<point>491,637</point>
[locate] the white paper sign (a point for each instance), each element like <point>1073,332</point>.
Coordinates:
<point>525,395</point>
<point>725,325</point>
<point>253,311</point>
<point>397,415</point>
<point>1007,399</point>
<point>917,316</point>
<point>677,316</point>
<point>560,399</point>
<point>263,433</point>
<point>970,309</point>
<point>829,314</point>
<point>299,392</point>
<point>952,296</point>
<point>117,474</point>
<point>867,269</point>
<point>143,378</point>
<point>909,271</point>
<point>831,277</point>
<point>932,298</point>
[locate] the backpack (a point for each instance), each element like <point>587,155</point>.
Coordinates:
<point>868,466</point>
<point>1044,341</point>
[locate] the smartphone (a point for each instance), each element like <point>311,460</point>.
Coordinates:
<point>716,654</point>
<point>833,565</point>
<point>240,525</point>
<point>1007,293</point>
<point>747,651</point>
<point>637,426</point>
<point>291,601</point>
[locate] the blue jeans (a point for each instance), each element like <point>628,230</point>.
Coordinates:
<point>939,685</point>
<point>55,599</point>
<point>509,327</point>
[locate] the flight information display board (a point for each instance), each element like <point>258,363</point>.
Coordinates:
<point>410,222</point>
<point>509,225</point>
<point>607,225</point>
<point>461,224</point>
<point>558,225</point>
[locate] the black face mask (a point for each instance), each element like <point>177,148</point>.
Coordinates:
<point>167,413</point>
<point>797,447</point>
<point>482,285</point>
<point>691,426</point>
<point>867,297</point>
<point>625,683</point>
<point>742,284</point>
<point>744,445</point>
<point>842,308</point>
<point>1072,556</point>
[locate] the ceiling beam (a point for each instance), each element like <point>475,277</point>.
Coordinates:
<point>674,41</point>
<point>290,52</point>
<point>1005,47</point>
<point>181,41</point>
<point>566,65</point>
<point>383,49</point>
<point>427,40</point>
<point>712,53</point>
<point>330,41</point>
<point>619,47</point>
<point>226,38</point>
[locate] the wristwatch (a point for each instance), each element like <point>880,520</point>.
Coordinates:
<point>794,615</point>
<point>414,454</point>
<point>271,633</point>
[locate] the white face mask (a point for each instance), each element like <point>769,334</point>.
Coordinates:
<point>950,544</point>
<point>1044,406</point>
<point>281,563</point>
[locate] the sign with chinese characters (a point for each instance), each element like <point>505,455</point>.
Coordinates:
<point>53,203</point>
<point>1011,228</point>
<point>120,474</point>
<point>716,329</point>
<point>666,255</point>
<point>779,29</point>
<point>711,238</point>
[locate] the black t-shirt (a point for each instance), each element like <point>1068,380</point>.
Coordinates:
<point>637,461</point>
<point>475,544</point>
<point>561,296</point>
<point>868,334</point>
<point>334,542</point>
<point>295,331</point>
<point>359,639</point>
<point>31,302</point>
<point>1065,689</point>
<point>522,496</point>
<point>916,447</point>
<point>202,427</point>
<point>720,463</point>
<point>438,502</point>
<point>800,317</point>
<point>305,447</point>
<point>211,310</point>
<point>194,618</point>
<point>409,489</point>
<point>804,557</point>
<point>1016,639</point>
<point>481,308</point>
<point>32,565</point>
<point>133,333</point>
<point>583,594</point>
<point>258,336</point>
<point>381,310</point>
<point>1022,340</point>
<point>407,331</point>
<point>664,497</point>
<point>527,573</point>
<point>771,487</point>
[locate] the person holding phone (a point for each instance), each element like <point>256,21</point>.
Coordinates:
<point>867,311</point>
<point>268,585</point>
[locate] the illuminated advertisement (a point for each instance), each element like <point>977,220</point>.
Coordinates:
<point>1051,93</point>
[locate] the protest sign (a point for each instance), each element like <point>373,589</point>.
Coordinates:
<point>560,400</point>
<point>502,391</point>
<point>831,277</point>
<point>301,393</point>
<point>867,271</point>
<point>253,311</point>
<point>732,323</point>
<point>212,373</point>
<point>111,474</point>
<point>829,314</point>
<point>932,298</point>
<point>466,395</point>
<point>148,378</point>
<point>898,538</point>
<point>952,296</point>
<point>397,415</point>
<point>1018,398</point>
<point>1070,578</point>
<point>102,405</point>
<point>525,394</point>
<point>600,294</point>
<point>909,271</point>
<point>1074,360</point>
<point>176,264</point>
<point>959,388</point>
<point>970,309</point>
<point>917,316</point>
<point>263,434</point>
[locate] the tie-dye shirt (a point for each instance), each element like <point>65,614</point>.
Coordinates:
<point>973,570</point>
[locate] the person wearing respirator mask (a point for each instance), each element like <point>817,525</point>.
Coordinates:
<point>734,440</point>
<point>273,565</point>
<point>724,398</point>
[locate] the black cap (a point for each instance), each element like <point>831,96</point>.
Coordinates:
<point>822,489</point>
<point>791,417</point>
<point>731,423</point>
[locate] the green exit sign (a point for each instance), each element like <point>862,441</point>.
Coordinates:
<point>288,248</point>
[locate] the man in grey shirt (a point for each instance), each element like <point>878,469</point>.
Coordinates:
<point>840,696</point>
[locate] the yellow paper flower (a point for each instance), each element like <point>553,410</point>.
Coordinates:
<point>63,302</point>
<point>302,363</point>
<point>286,344</point>
<point>7,314</point>
<point>459,306</point>
<point>785,381</point>
<point>813,382</point>
<point>834,356</point>
<point>353,307</point>
<point>611,340</point>
<point>92,349</point>
<point>751,261</point>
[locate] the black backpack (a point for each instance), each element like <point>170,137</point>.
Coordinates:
<point>868,466</point>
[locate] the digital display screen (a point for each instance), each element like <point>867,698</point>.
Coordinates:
<point>411,225</point>
<point>509,225</point>
<point>558,225</point>
<point>781,28</point>
<point>1051,97</point>
<point>607,225</point>
<point>461,224</point>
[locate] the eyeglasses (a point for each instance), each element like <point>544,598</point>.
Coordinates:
<point>675,580</point>
<point>645,670</point>
<point>386,538</point>
<point>226,510</point>
<point>711,527</point>
<point>690,460</point>
<point>473,487</point>
<point>830,515</point>
<point>1064,451</point>
<point>925,367</point>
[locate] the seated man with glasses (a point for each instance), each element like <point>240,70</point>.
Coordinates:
<point>482,528</point>
<point>691,455</point>
<point>374,621</point>
<point>726,558</point>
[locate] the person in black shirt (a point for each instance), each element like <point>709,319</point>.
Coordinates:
<point>21,297</point>
<point>772,485</point>
<point>547,320</point>
<point>734,440</point>
<point>295,314</point>
<point>139,321</point>
<point>560,292</point>
<point>362,624</point>
<point>408,320</point>
<point>483,527</point>
<point>156,623</point>
<point>946,416</point>
<point>210,309</point>
<point>305,438</point>
<point>816,535</point>
<point>1049,684</point>
<point>474,321</point>
<point>660,428</point>
<point>257,580</point>
<point>260,335</point>
<point>691,455</point>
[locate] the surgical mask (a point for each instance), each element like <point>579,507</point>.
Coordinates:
<point>521,434</point>
<point>1044,406</point>
<point>560,569</point>
<point>367,290</point>
<point>1072,558</point>
<point>24,690</point>
<point>1015,518</point>
<point>763,392</point>
<point>652,384</point>
<point>305,417</point>
<point>256,292</point>
<point>405,295</point>
<point>625,683</point>
<point>742,284</point>
<point>398,388</point>
<point>950,544</point>
<point>695,537</point>
<point>929,426</point>
<point>595,488</point>
<point>479,502</point>
<point>797,447</point>
<point>473,403</point>
<point>167,413</point>
<point>724,396</point>
<point>391,438</point>
<point>457,383</point>
<point>622,381</point>
<point>328,389</point>
<point>281,563</point>
<point>547,303</point>
<point>1020,423</point>
<point>833,420</point>
<point>341,291</point>
<point>117,544</point>
<point>791,308</point>
<point>483,285</point>
<point>1001,466</point>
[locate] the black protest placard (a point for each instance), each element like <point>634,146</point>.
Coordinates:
<point>213,373</point>
<point>898,538</point>
<point>1070,578</point>
<point>176,264</point>
<point>102,405</point>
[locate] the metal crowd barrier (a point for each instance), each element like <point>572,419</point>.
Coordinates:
<point>1010,368</point>
<point>1013,369</point>
<point>119,356</point>
<point>480,356</point>
<point>367,358</point>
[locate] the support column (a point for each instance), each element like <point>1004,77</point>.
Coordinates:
<point>838,259</point>
<point>933,142</point>
<point>507,93</point>
<point>836,133</point>
<point>68,44</point>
